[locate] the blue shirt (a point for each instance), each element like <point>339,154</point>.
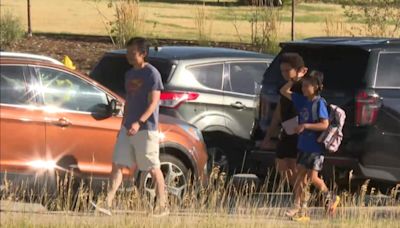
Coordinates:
<point>308,139</point>
<point>139,83</point>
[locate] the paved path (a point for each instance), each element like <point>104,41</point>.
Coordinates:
<point>261,212</point>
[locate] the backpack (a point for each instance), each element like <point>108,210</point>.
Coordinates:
<point>332,137</point>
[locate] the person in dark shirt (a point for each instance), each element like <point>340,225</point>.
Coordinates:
<point>293,69</point>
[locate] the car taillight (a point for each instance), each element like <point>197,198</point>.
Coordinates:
<point>174,99</point>
<point>367,107</point>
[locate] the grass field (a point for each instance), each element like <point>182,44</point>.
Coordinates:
<point>166,20</point>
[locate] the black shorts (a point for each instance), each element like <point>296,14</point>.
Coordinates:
<point>312,161</point>
<point>287,147</point>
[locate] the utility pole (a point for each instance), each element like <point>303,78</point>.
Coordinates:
<point>293,20</point>
<point>29,19</point>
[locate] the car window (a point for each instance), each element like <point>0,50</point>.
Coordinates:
<point>244,77</point>
<point>208,75</point>
<point>343,67</point>
<point>388,70</point>
<point>13,86</point>
<point>66,91</point>
<point>163,66</point>
<point>110,72</point>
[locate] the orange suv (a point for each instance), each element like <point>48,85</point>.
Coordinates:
<point>53,118</point>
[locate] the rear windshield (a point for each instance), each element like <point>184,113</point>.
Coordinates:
<point>110,72</point>
<point>344,67</point>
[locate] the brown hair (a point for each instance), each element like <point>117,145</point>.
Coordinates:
<point>141,43</point>
<point>293,59</point>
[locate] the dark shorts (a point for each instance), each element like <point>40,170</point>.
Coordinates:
<point>287,147</point>
<point>312,161</point>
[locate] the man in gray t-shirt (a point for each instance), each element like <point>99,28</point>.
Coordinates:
<point>139,83</point>
<point>138,141</point>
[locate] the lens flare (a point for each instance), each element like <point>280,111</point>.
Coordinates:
<point>43,164</point>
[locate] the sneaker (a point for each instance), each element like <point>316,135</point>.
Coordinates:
<point>293,211</point>
<point>331,204</point>
<point>160,212</point>
<point>102,210</point>
<point>302,218</point>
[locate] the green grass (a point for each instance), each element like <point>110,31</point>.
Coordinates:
<point>314,8</point>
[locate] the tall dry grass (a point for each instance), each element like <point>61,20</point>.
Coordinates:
<point>265,23</point>
<point>335,26</point>
<point>220,195</point>
<point>129,20</point>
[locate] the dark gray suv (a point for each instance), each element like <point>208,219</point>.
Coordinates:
<point>211,88</point>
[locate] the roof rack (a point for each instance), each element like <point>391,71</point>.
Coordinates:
<point>361,40</point>
<point>29,56</point>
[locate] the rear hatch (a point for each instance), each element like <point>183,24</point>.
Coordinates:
<point>111,69</point>
<point>345,69</point>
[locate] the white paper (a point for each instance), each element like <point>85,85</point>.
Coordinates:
<point>290,125</point>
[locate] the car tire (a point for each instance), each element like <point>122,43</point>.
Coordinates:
<point>217,158</point>
<point>176,176</point>
<point>227,152</point>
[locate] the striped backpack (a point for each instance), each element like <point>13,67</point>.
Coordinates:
<point>332,137</point>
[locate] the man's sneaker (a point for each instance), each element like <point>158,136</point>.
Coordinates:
<point>102,210</point>
<point>295,210</point>
<point>160,212</point>
<point>332,204</point>
<point>301,218</point>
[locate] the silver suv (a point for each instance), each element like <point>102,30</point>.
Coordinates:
<point>211,88</point>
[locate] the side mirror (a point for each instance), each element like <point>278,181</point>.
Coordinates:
<point>113,107</point>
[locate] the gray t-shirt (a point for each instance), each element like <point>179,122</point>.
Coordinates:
<point>138,86</point>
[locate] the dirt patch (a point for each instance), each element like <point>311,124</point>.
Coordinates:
<point>85,51</point>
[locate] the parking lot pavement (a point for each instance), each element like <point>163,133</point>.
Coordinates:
<point>262,211</point>
<point>7,205</point>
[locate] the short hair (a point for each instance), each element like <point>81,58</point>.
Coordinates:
<point>293,59</point>
<point>141,44</point>
<point>316,78</point>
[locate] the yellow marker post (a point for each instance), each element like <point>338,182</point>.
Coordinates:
<point>68,62</point>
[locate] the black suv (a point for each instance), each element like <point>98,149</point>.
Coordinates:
<point>362,75</point>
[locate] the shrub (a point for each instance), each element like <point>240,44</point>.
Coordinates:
<point>265,24</point>
<point>129,21</point>
<point>381,17</point>
<point>10,29</point>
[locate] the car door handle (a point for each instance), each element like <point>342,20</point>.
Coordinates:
<point>62,122</point>
<point>238,105</point>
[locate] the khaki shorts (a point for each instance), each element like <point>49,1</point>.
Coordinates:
<point>141,148</point>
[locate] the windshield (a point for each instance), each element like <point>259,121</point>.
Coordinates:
<point>110,72</point>
<point>343,67</point>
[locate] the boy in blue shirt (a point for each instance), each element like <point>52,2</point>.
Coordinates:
<point>311,152</point>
